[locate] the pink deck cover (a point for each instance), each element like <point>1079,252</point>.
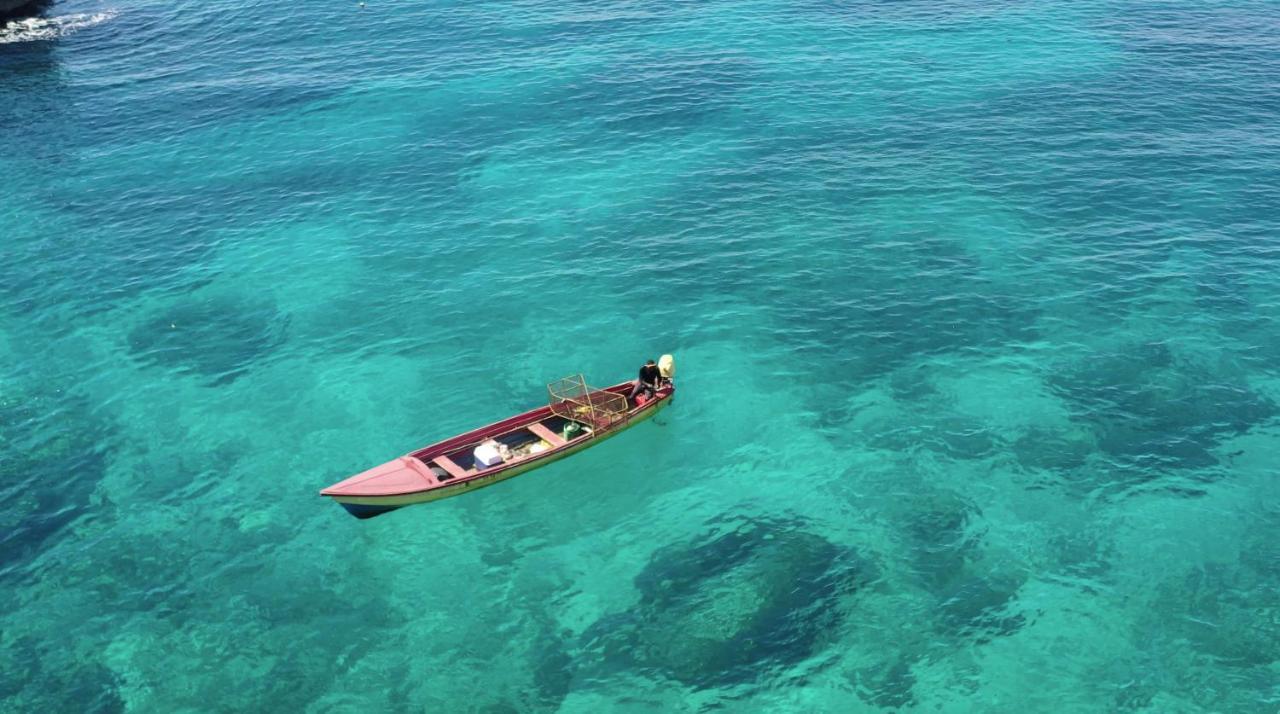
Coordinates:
<point>402,475</point>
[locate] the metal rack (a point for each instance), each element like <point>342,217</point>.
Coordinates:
<point>572,399</point>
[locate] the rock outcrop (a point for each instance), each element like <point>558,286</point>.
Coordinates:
<point>16,8</point>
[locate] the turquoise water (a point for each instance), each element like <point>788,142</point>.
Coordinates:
<point>974,306</point>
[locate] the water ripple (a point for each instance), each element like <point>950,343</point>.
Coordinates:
<point>36,29</point>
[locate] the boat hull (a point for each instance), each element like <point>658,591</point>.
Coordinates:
<point>375,505</point>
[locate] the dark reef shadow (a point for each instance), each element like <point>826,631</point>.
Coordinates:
<point>48,471</point>
<point>40,683</point>
<point>745,599</point>
<point>1153,412</point>
<point>219,338</point>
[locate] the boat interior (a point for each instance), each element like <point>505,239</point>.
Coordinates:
<point>516,445</point>
<point>576,411</point>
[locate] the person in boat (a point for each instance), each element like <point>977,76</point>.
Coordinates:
<point>648,382</point>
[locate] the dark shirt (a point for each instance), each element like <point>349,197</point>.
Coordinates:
<point>649,374</point>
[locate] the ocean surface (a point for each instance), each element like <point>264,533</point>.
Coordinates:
<point>974,304</point>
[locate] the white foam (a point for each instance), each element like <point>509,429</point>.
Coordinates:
<point>32,29</point>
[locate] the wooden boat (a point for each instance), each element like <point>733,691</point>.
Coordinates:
<point>576,417</point>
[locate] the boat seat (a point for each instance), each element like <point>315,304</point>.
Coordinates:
<point>448,465</point>
<point>546,435</point>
